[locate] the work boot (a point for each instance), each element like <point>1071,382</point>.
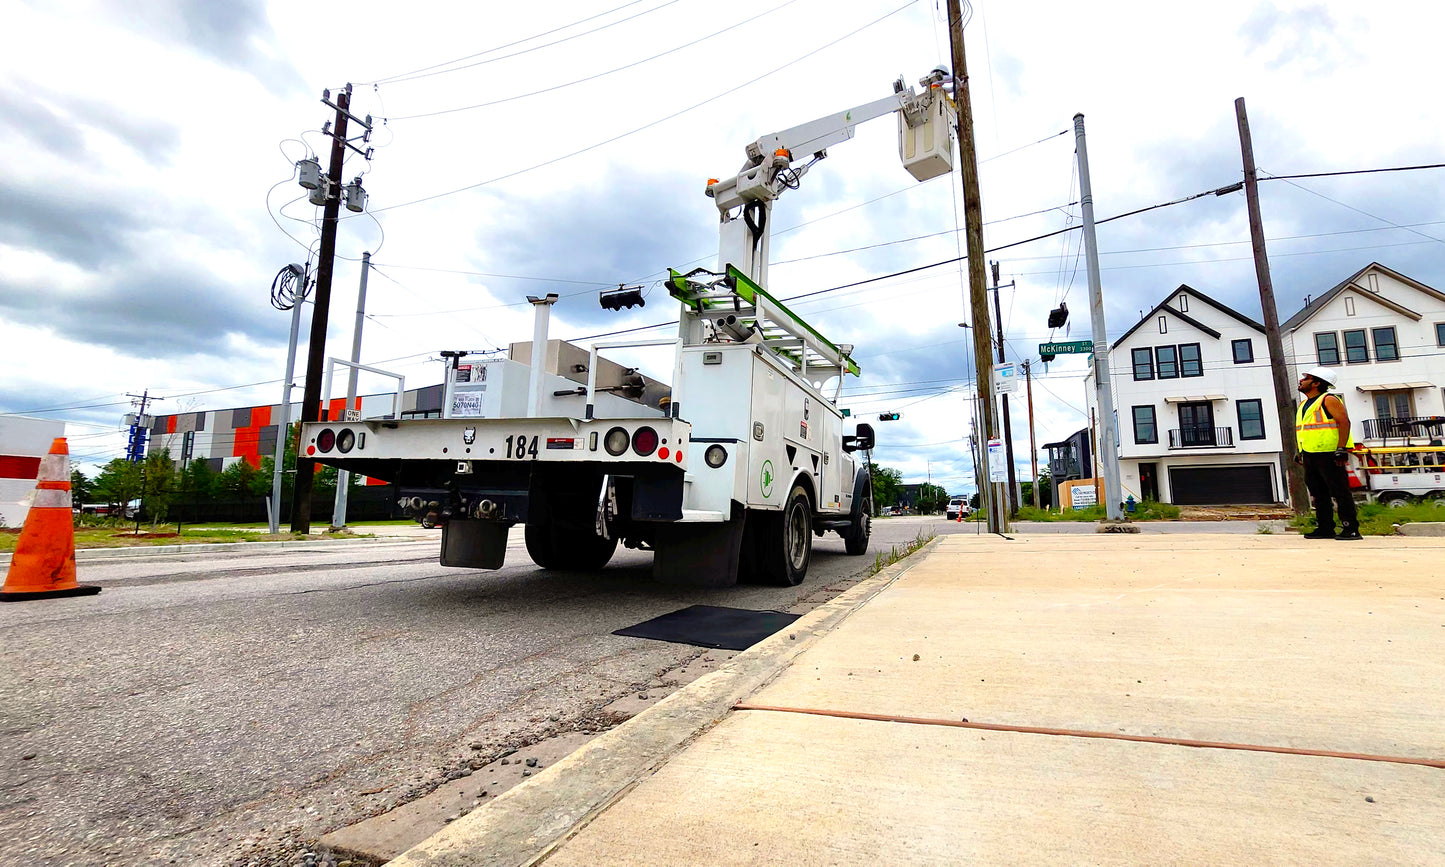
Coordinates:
<point>1349,532</point>
<point>1319,533</point>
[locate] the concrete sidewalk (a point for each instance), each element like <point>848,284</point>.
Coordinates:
<point>1269,641</point>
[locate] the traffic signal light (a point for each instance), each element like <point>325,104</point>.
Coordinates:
<point>1046,357</point>
<point>1059,315</point>
<point>622,296</point>
<point>888,416</point>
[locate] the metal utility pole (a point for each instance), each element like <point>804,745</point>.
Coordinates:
<point>1008,430</point>
<point>343,477</point>
<point>1279,372</point>
<point>1103,385</point>
<point>316,355</point>
<point>977,288</point>
<point>283,424</point>
<point>1033,448</point>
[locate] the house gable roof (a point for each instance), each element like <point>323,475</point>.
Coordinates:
<point>1163,306</point>
<point>1352,282</point>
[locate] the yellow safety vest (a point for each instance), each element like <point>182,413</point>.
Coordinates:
<point>1315,431</point>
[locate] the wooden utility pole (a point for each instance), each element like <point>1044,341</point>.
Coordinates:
<point>1283,390</point>
<point>977,285</point>
<point>316,349</point>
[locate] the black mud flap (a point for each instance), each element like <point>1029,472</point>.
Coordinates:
<point>474,544</point>
<point>698,555</point>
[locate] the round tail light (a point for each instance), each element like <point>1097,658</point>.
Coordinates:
<point>644,442</point>
<point>346,441</point>
<point>326,440</point>
<point>715,456</point>
<point>616,441</point>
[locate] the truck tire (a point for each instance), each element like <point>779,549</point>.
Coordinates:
<point>785,543</point>
<point>855,538</point>
<point>566,551</point>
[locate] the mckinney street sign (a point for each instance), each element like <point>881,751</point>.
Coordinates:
<point>1072,347</point>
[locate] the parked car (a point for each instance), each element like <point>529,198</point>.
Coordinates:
<point>956,507</point>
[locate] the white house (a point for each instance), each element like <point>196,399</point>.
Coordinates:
<point>1196,413</point>
<point>1385,333</point>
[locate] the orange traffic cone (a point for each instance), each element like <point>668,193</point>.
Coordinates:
<point>44,562</point>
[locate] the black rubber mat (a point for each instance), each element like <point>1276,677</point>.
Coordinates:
<point>711,626</point>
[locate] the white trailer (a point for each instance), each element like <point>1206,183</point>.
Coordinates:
<point>726,473</point>
<point>1399,475</point>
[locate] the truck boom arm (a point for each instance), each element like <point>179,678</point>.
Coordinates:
<point>744,201</point>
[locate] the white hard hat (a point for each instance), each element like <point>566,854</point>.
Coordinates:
<point>1328,375</point>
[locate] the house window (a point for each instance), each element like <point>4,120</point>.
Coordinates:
<point>1440,333</point>
<point>1163,325</point>
<point>1168,362</point>
<point>1327,348</point>
<point>1243,351</point>
<point>1386,349</point>
<point>1190,363</point>
<point>1251,419</point>
<point>1393,404</point>
<point>1143,364</point>
<point>1349,306</point>
<point>1356,351</point>
<point>1145,430</point>
<point>1183,303</point>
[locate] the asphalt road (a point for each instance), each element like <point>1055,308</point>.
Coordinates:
<point>231,706</point>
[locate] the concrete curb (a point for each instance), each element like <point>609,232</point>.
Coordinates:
<point>528,823</point>
<point>203,547</point>
<point>1422,528</point>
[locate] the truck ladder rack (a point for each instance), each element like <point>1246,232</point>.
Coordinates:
<point>732,296</point>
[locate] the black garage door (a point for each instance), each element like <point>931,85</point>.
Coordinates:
<point>1214,486</point>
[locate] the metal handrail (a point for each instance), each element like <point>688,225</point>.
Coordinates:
<point>1201,438</point>
<point>1396,426</point>
<point>674,342</point>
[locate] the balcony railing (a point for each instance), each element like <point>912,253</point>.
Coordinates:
<point>1201,438</point>
<point>1415,426</point>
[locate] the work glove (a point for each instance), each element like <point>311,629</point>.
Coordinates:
<point>1342,457</point>
<point>1299,457</point>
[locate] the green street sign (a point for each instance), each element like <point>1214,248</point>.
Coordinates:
<point>1071,347</point>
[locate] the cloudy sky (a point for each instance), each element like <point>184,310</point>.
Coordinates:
<point>147,192</point>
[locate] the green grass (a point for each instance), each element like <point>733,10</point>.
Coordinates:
<point>1145,511</point>
<point>882,560</point>
<point>97,532</point>
<point>1378,520</point>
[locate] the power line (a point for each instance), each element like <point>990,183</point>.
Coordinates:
<point>1353,172</point>
<point>595,76</point>
<point>651,124</point>
<point>427,71</point>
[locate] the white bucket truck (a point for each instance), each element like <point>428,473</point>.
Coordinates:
<point>725,474</point>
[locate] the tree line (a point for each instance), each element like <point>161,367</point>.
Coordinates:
<point>159,481</point>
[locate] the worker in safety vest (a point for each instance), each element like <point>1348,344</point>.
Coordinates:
<point>1322,432</point>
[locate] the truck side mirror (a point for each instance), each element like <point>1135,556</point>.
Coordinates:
<point>862,442</point>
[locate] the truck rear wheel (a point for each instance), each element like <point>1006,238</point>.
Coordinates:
<point>785,543</point>
<point>566,551</point>
<point>855,538</point>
